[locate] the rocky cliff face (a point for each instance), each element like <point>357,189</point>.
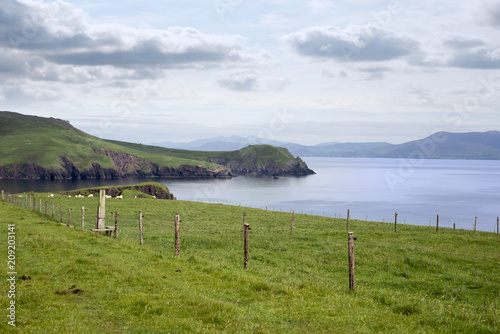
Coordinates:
<point>126,165</point>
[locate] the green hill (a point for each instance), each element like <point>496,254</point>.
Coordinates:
<point>48,148</point>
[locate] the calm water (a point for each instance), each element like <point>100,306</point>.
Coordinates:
<point>457,190</point>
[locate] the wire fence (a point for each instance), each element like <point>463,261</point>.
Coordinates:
<point>314,251</point>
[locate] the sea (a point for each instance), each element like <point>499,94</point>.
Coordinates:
<point>461,192</point>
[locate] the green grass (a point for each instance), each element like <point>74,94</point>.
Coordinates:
<point>412,281</point>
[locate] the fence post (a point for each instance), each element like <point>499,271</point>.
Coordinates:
<point>116,224</point>
<point>61,215</point>
<point>31,204</point>
<point>140,227</point>
<point>347,227</point>
<point>83,218</point>
<point>177,234</point>
<point>245,244</point>
<point>293,220</point>
<point>395,222</point>
<point>40,207</point>
<point>69,217</point>
<point>437,223</point>
<point>350,246</point>
<point>243,229</point>
<point>101,210</point>
<point>53,210</point>
<point>46,207</point>
<point>475,224</point>
<point>453,225</point>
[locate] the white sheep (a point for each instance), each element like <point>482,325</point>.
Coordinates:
<point>91,195</point>
<point>107,196</point>
<point>51,195</point>
<point>119,197</point>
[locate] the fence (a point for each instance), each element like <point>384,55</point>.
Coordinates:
<point>430,263</point>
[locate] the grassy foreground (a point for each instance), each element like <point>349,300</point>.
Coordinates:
<point>412,281</point>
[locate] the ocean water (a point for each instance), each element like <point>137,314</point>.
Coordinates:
<point>372,189</point>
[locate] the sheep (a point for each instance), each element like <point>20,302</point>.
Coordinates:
<point>91,195</point>
<point>51,195</point>
<point>107,196</point>
<point>119,197</point>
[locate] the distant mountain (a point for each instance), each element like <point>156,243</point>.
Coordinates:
<point>219,143</point>
<point>441,145</point>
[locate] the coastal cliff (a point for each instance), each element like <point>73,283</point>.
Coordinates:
<point>33,147</point>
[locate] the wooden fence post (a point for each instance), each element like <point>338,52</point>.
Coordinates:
<point>245,244</point>
<point>243,229</point>
<point>101,210</point>
<point>116,224</point>
<point>347,226</point>
<point>177,234</point>
<point>83,218</point>
<point>40,207</point>
<point>53,210</point>
<point>453,225</point>
<point>437,223</point>
<point>61,217</point>
<point>395,222</point>
<point>293,220</point>
<point>350,246</point>
<point>140,227</point>
<point>46,207</point>
<point>69,217</point>
<point>475,224</point>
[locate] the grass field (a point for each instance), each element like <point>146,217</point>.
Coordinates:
<point>414,281</point>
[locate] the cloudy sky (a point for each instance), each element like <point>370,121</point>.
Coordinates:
<point>302,71</point>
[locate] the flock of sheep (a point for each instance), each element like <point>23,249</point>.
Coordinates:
<point>92,195</point>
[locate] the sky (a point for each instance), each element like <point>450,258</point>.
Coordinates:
<point>307,72</point>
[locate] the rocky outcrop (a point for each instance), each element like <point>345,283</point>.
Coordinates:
<point>263,160</point>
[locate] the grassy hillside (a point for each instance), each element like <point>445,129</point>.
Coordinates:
<point>55,145</point>
<point>38,140</point>
<point>412,281</point>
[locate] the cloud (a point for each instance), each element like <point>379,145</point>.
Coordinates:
<point>494,14</point>
<point>62,34</point>
<point>361,74</point>
<point>481,59</point>
<point>462,42</point>
<point>251,80</point>
<point>357,43</point>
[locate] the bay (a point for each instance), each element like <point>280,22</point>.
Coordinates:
<point>372,189</point>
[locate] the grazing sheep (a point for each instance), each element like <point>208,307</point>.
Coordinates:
<point>119,197</point>
<point>51,195</point>
<point>91,195</point>
<point>107,196</point>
